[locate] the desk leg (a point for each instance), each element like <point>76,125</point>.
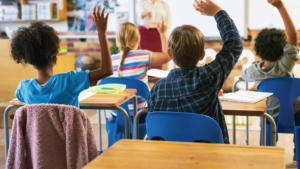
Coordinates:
<point>135,105</point>
<point>233,130</point>
<point>273,128</point>
<point>6,127</point>
<point>126,117</point>
<point>247,130</point>
<point>136,124</point>
<point>99,129</point>
<point>264,131</point>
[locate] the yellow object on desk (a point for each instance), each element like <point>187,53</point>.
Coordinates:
<point>108,88</point>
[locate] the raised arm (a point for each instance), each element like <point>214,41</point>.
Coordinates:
<point>100,21</point>
<point>159,58</point>
<point>288,22</point>
<point>232,48</point>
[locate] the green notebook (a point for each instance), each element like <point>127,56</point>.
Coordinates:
<point>108,88</point>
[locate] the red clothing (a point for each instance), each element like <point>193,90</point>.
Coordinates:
<point>150,40</point>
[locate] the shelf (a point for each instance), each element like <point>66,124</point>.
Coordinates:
<point>21,20</point>
<point>84,36</point>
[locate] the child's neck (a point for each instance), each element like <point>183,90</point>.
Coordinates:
<point>266,63</point>
<point>44,75</point>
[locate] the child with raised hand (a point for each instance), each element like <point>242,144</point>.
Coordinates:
<point>38,45</point>
<point>134,63</point>
<point>195,89</point>
<point>279,54</point>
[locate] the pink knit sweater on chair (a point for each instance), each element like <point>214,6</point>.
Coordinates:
<point>51,136</point>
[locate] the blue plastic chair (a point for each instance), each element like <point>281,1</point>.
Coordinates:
<point>115,126</point>
<point>297,142</point>
<point>286,90</point>
<point>183,127</point>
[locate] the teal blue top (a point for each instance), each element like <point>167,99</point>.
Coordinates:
<point>61,88</point>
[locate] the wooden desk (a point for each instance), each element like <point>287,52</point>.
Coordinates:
<point>161,154</point>
<point>234,108</point>
<point>297,73</point>
<point>98,101</point>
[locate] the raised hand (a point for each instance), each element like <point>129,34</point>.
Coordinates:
<point>162,26</point>
<point>100,21</point>
<point>276,3</point>
<point>208,8</point>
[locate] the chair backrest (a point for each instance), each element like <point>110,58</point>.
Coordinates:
<point>286,90</point>
<point>131,83</point>
<point>184,127</point>
<point>297,143</point>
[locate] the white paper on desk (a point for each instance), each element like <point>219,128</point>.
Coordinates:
<point>246,96</point>
<point>85,94</point>
<point>158,73</point>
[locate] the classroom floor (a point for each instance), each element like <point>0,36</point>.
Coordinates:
<point>284,140</point>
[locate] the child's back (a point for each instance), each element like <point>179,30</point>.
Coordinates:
<point>133,63</point>
<point>191,88</point>
<point>279,57</point>
<point>38,45</point>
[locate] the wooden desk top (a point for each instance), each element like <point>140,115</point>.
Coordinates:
<point>232,108</point>
<point>172,155</point>
<point>100,99</point>
<point>236,108</point>
<point>297,73</point>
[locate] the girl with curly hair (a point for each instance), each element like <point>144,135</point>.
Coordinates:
<point>38,45</point>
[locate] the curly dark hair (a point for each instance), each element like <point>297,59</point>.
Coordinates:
<point>35,45</point>
<point>269,44</point>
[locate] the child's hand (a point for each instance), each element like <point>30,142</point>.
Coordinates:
<point>276,3</point>
<point>100,21</point>
<point>162,26</point>
<point>208,8</point>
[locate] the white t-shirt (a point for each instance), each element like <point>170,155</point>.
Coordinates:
<point>159,9</point>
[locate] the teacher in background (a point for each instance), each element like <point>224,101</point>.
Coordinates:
<point>150,12</point>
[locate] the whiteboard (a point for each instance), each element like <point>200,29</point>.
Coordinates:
<point>183,13</point>
<point>263,15</point>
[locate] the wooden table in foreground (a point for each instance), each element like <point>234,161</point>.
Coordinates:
<point>98,101</point>
<point>161,154</point>
<point>236,108</point>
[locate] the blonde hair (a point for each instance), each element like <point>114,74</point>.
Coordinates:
<point>128,37</point>
<point>186,44</point>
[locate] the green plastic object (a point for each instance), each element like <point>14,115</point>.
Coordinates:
<point>108,88</point>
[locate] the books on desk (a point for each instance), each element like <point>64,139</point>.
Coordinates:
<point>246,96</point>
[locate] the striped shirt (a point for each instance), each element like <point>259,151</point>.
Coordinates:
<point>135,66</point>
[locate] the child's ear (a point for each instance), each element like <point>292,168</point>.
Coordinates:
<point>169,54</point>
<point>54,59</point>
<point>203,54</point>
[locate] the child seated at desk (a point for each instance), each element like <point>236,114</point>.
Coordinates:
<point>195,89</point>
<point>38,45</point>
<point>134,63</point>
<point>279,54</point>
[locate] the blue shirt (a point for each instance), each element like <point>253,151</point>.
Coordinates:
<point>195,89</point>
<point>61,88</point>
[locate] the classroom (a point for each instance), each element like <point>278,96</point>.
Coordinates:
<point>149,84</point>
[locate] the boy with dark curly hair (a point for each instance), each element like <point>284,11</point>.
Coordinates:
<point>279,55</point>
<point>38,45</point>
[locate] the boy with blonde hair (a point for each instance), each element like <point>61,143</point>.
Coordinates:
<point>195,89</point>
